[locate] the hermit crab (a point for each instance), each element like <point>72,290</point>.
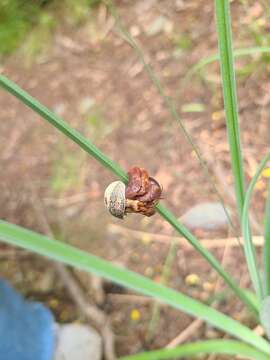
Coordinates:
<point>140,195</point>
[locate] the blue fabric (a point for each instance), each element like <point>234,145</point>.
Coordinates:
<point>26,328</point>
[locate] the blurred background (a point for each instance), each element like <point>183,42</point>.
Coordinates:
<point>71,56</point>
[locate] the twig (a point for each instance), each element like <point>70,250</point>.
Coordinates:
<point>13,253</point>
<point>167,239</point>
<point>128,298</point>
<point>185,334</point>
<point>91,312</point>
<point>15,138</point>
<point>68,200</point>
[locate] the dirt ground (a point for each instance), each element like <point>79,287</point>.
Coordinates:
<point>93,78</point>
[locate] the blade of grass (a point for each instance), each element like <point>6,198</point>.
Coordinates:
<point>69,255</point>
<point>85,144</point>
<point>223,20</point>
<point>166,214</point>
<point>266,248</point>
<point>216,57</point>
<point>248,244</point>
<point>61,125</point>
<point>225,347</point>
<point>231,109</point>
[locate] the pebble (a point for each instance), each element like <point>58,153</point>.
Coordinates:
<point>160,24</point>
<point>86,104</point>
<point>77,342</point>
<point>205,216</point>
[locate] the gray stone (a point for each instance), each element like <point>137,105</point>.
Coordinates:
<point>77,342</point>
<point>206,216</point>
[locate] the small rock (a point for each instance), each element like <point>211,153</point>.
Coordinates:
<point>159,25</point>
<point>206,216</point>
<point>192,280</point>
<point>180,5</point>
<point>134,31</point>
<point>77,342</point>
<point>59,109</point>
<point>85,105</point>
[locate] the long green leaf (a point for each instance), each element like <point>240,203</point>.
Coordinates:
<point>225,347</point>
<point>248,244</point>
<point>231,110</point>
<point>103,159</point>
<point>171,219</point>
<point>61,125</point>
<point>230,99</point>
<point>72,256</point>
<point>236,53</point>
<point>265,315</point>
<point>266,247</point>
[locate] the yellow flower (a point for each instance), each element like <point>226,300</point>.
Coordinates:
<point>135,315</point>
<point>266,173</point>
<point>192,280</point>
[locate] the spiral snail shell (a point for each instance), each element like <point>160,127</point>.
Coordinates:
<point>140,196</point>
<point>115,199</point>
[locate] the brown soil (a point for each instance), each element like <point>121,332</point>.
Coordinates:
<point>131,124</point>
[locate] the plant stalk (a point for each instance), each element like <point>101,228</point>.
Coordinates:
<point>223,19</point>
<point>266,247</point>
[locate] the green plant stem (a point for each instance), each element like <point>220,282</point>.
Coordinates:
<point>226,347</point>
<point>61,125</point>
<point>230,98</point>
<point>248,244</point>
<point>266,247</point>
<point>69,255</point>
<point>216,57</point>
<point>85,144</point>
<point>171,219</point>
<point>231,109</point>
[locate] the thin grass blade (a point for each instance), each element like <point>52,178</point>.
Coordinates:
<point>265,315</point>
<point>72,256</point>
<point>223,20</point>
<point>231,109</point>
<point>61,125</point>
<point>266,248</point>
<point>85,144</point>
<point>171,219</point>
<point>248,244</point>
<point>218,347</point>
<point>236,54</point>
